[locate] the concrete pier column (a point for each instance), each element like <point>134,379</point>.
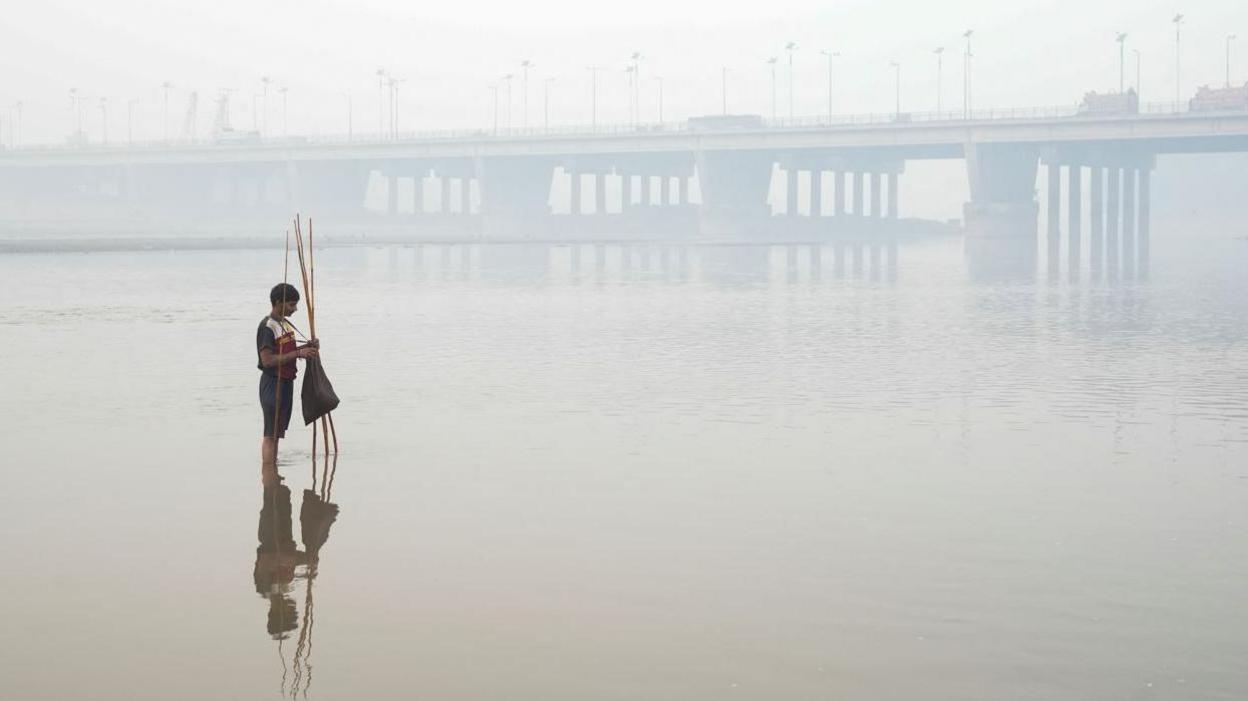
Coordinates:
<point>790,191</point>
<point>682,190</point>
<point>1096,245</point>
<point>574,206</point>
<point>816,193</point>
<point>600,193</point>
<point>1128,219</point>
<point>647,190</point>
<point>1054,228</point>
<point>392,194</point>
<point>893,198</point>
<point>1113,218</point>
<point>1146,214</point>
<point>418,193</point>
<point>445,196</point>
<point>876,195</point>
<point>860,184</point>
<point>841,196</point>
<point>1074,215</point>
<point>626,191</point>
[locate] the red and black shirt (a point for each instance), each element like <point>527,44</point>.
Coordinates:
<point>280,337</point>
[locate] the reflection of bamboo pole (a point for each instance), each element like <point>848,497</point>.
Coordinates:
<point>314,456</point>
<point>329,491</point>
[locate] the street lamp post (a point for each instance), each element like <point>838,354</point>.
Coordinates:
<point>966,75</point>
<point>165,117</point>
<point>897,70</point>
<point>103,120</point>
<point>130,120</point>
<point>831,55</point>
<point>1137,74</point>
<point>73,96</point>
<point>494,89</point>
<point>660,80</point>
<point>264,104</point>
<point>1229,39</point>
<point>593,96</point>
<point>350,115</point>
<point>1178,24</point>
<point>285,132</point>
<point>508,78</point>
<point>772,62</point>
<point>636,96</point>
<point>723,88</point>
<point>940,55</point>
<point>524,66</point>
<point>546,103</point>
<point>790,47</point>
<point>1122,61</point>
<point>381,103</point>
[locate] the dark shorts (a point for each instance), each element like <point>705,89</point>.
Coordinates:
<point>273,416</point>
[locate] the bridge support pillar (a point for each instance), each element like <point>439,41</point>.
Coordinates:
<point>1113,218</point>
<point>1054,224</point>
<point>682,190</point>
<point>734,190</point>
<point>816,194</point>
<point>1146,213</point>
<point>647,190</point>
<point>892,195</point>
<point>575,203</point>
<point>841,196</point>
<point>600,193</point>
<point>1128,219</point>
<point>860,185</point>
<point>876,180</point>
<point>1096,245</point>
<point>392,194</point>
<point>1074,216</point>
<point>790,191</point>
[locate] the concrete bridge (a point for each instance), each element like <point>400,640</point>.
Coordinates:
<point>708,178</point>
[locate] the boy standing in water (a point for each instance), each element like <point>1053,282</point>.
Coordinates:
<point>276,351</point>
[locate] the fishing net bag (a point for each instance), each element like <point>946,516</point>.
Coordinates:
<point>318,397</point>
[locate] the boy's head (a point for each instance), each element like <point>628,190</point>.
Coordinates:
<point>284,298</point>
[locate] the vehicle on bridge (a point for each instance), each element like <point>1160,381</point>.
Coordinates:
<point>1207,99</point>
<point>1095,103</point>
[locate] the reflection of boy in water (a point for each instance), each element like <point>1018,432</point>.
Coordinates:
<point>276,558</point>
<point>277,352</point>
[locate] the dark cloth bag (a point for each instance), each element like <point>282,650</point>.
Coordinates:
<point>318,396</point>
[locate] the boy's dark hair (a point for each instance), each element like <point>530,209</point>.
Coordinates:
<point>283,291</point>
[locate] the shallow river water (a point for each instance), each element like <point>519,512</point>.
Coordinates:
<point>630,472</point>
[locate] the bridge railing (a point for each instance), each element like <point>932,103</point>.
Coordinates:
<point>251,140</point>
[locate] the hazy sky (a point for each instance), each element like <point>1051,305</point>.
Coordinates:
<point>1027,53</point>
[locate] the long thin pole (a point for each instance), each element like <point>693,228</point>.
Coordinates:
<point>724,88</point>
<point>772,61</point>
<point>1229,39</point>
<point>660,79</point>
<point>593,96</point>
<point>940,55</point>
<point>966,76</point>
<point>1122,63</point>
<point>1178,99</point>
<point>1138,88</point>
<point>897,67</point>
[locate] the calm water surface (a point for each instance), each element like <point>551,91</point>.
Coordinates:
<point>645,472</point>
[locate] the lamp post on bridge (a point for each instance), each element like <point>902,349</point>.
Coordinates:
<point>1178,24</point>
<point>897,69</point>
<point>130,119</point>
<point>1229,39</point>
<point>285,132</point>
<point>546,103</point>
<point>264,104</point>
<point>165,115</point>
<point>772,62</point>
<point>381,102</point>
<point>73,96</point>
<point>790,47</point>
<point>723,88</point>
<point>103,120</point>
<point>659,79</point>
<point>831,55</point>
<point>636,96</point>
<point>966,75</point>
<point>350,114</point>
<point>1136,51</point>
<point>593,97</point>
<point>1122,61</point>
<point>494,89</point>
<point>525,65</point>
<point>940,55</point>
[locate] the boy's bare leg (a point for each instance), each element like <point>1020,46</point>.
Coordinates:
<point>268,459</point>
